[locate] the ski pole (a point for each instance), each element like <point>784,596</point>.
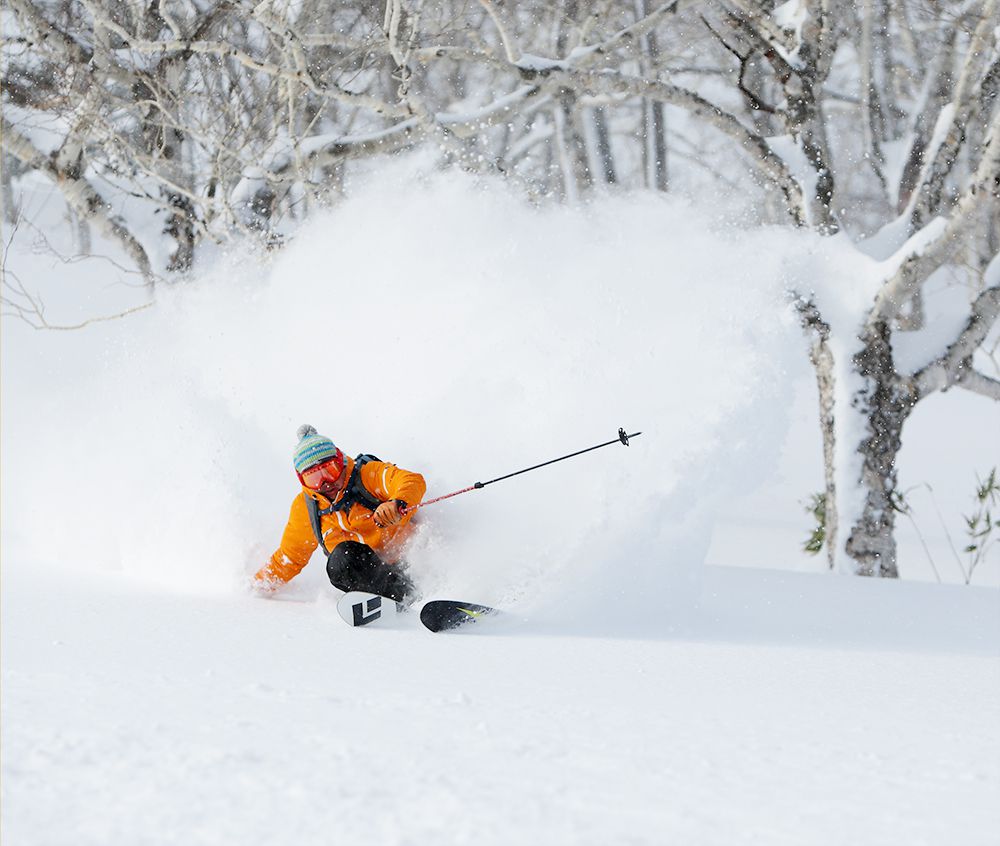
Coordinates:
<point>622,439</point>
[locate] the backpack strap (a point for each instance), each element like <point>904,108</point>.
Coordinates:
<point>354,492</point>
<point>312,506</point>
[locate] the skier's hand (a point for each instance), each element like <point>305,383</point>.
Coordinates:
<point>388,513</point>
<point>262,587</point>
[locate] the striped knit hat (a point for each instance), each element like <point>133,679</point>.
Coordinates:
<point>313,449</point>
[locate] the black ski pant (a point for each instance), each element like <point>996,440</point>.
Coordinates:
<point>356,566</point>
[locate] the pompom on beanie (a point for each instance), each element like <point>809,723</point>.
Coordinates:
<point>313,449</point>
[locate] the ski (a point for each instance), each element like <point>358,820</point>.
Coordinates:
<point>358,608</point>
<point>441,615</point>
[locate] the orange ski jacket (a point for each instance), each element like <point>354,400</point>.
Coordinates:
<point>384,482</point>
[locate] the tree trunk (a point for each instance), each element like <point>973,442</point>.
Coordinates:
<point>169,148</point>
<point>570,138</point>
<point>939,90</point>
<point>655,149</point>
<point>885,402</point>
<point>872,122</point>
<point>576,141</point>
<point>807,126</point>
<point>653,117</point>
<point>81,231</point>
<point>180,227</point>
<point>604,151</point>
<point>822,360</point>
<point>11,207</point>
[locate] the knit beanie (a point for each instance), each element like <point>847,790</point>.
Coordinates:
<point>312,449</point>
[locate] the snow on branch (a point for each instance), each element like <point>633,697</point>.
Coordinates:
<point>630,34</point>
<point>529,65</point>
<point>929,248</point>
<point>499,108</point>
<point>80,194</point>
<point>44,30</point>
<point>301,75</point>
<point>460,54</point>
<point>323,151</point>
<point>950,134</point>
<point>954,367</point>
<point>767,32</point>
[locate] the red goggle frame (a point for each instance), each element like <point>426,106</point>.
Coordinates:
<point>329,471</point>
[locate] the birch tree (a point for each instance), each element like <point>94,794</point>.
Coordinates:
<point>864,398</point>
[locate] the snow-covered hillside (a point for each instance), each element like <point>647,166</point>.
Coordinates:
<point>781,709</point>
<point>645,697</point>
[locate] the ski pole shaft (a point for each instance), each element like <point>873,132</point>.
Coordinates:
<point>622,439</point>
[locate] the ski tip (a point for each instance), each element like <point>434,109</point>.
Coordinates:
<point>442,615</point>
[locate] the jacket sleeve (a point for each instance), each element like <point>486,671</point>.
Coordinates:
<point>387,481</point>
<point>297,546</point>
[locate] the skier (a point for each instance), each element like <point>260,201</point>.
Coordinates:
<point>354,509</point>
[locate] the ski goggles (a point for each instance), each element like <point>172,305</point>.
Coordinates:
<point>326,473</point>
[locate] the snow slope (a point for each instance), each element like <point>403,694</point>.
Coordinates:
<point>443,325</point>
<point>781,709</point>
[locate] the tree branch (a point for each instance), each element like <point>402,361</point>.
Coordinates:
<point>53,36</point>
<point>630,34</point>
<point>979,383</point>
<point>954,367</point>
<point>764,158</point>
<point>922,255</point>
<point>218,48</point>
<point>80,194</point>
<point>510,47</point>
<point>965,103</point>
<point>753,99</point>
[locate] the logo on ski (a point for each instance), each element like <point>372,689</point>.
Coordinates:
<point>367,611</point>
<point>359,608</point>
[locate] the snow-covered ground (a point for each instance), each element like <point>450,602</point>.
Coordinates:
<point>641,696</point>
<point>782,709</point>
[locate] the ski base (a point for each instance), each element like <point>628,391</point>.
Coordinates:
<point>441,615</point>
